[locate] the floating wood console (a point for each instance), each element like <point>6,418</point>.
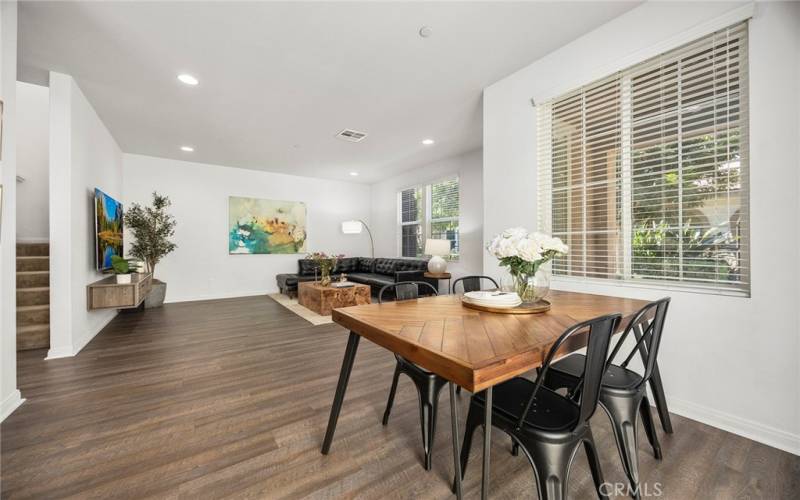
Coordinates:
<point>108,294</point>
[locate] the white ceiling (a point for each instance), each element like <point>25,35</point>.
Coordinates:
<point>279,80</point>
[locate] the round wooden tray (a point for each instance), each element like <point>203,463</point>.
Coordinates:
<point>534,308</point>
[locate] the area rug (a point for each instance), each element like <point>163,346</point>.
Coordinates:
<point>303,312</point>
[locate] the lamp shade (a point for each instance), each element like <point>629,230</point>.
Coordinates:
<point>352,227</point>
<point>437,247</point>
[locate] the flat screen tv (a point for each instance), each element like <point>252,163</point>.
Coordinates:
<point>108,229</point>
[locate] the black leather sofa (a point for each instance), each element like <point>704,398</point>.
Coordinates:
<point>375,272</point>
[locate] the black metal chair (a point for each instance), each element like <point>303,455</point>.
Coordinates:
<point>472,283</point>
<point>623,393</point>
<point>547,426</point>
<point>428,384</point>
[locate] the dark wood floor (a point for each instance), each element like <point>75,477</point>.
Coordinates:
<point>230,398</point>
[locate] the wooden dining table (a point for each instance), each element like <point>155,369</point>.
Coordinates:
<point>473,349</point>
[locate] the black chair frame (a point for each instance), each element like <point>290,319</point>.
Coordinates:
<point>472,283</point>
<point>551,452</point>
<point>623,403</point>
<point>428,384</point>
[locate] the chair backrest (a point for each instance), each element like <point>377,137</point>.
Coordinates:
<point>472,283</point>
<point>599,331</point>
<point>647,326</point>
<point>405,290</point>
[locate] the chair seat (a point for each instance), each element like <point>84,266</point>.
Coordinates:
<point>616,377</point>
<point>550,411</point>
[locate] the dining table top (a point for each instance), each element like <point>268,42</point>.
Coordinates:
<point>477,349</point>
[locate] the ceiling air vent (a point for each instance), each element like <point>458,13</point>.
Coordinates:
<point>351,135</point>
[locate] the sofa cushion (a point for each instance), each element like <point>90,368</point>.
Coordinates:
<point>410,265</point>
<point>347,265</point>
<point>385,266</point>
<point>306,267</point>
<point>365,265</point>
<point>372,279</point>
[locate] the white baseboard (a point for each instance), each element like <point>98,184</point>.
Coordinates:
<point>59,352</point>
<point>34,239</point>
<point>750,429</point>
<point>216,296</point>
<point>73,350</point>
<point>10,404</point>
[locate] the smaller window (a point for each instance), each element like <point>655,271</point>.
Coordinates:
<point>430,211</point>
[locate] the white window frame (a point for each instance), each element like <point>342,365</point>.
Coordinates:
<point>627,279</point>
<point>428,219</point>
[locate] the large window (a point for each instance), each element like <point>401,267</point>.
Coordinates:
<point>645,174</point>
<point>429,211</point>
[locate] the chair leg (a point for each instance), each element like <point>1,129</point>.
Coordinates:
<point>551,467</point>
<point>514,448</point>
<point>623,412</point>
<point>649,427</point>
<point>429,402</point>
<point>474,420</point>
<point>594,463</point>
<point>657,387</point>
<point>392,392</point>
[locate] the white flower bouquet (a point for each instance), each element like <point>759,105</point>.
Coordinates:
<point>524,253</point>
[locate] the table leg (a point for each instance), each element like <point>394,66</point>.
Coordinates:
<point>487,444</point>
<point>454,430</point>
<point>344,378</point>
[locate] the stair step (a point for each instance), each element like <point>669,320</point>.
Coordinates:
<point>32,279</point>
<point>33,296</point>
<point>33,249</point>
<point>33,315</point>
<point>35,263</point>
<point>33,337</point>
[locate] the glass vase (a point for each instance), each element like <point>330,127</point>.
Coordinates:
<point>532,287</point>
<point>325,278</point>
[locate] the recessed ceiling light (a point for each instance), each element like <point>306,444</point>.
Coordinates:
<point>188,79</point>
<point>425,31</point>
<point>188,149</point>
<point>427,142</point>
<point>354,174</point>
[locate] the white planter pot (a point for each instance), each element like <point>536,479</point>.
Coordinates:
<point>123,279</point>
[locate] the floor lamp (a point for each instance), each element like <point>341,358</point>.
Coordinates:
<point>354,227</point>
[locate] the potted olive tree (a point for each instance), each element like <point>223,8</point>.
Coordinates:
<point>152,227</point>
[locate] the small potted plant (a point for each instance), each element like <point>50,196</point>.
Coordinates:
<point>122,269</point>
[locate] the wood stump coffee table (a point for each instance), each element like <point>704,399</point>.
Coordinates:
<point>323,299</point>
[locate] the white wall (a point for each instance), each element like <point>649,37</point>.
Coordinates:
<point>10,397</point>
<point>730,362</point>
<point>83,155</point>
<point>201,268</point>
<point>468,167</point>
<point>33,118</point>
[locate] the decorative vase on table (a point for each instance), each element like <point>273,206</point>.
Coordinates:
<point>525,255</point>
<point>325,263</point>
<point>530,287</point>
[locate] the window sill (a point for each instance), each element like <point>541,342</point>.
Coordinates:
<point>651,285</point>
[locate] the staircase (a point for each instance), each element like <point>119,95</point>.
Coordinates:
<point>33,296</point>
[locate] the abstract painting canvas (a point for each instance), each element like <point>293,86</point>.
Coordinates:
<point>108,228</point>
<point>258,226</point>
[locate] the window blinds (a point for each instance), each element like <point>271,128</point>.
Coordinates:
<point>429,211</point>
<point>444,213</point>
<point>644,174</point>
<point>412,215</point>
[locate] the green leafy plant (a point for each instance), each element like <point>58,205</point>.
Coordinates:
<point>152,228</point>
<point>120,265</point>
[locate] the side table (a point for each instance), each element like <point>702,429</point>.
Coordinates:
<point>440,277</point>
